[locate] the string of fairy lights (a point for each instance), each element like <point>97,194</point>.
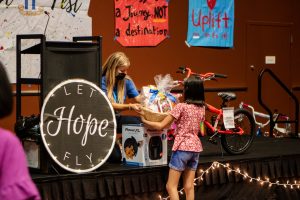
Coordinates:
<point>229,169</point>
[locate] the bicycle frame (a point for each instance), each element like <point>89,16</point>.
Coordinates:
<point>234,140</point>
<point>276,116</point>
<point>213,127</point>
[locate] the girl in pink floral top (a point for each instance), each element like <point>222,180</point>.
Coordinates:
<point>187,145</point>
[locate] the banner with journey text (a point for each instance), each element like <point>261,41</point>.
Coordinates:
<point>141,22</point>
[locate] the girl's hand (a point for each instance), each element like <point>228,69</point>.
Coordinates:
<point>142,117</point>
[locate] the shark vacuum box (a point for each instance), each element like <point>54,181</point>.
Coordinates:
<point>142,146</point>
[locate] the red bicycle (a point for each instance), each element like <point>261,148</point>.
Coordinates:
<point>236,139</point>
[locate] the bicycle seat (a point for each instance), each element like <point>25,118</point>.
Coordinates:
<point>227,96</point>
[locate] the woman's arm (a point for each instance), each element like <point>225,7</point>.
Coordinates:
<point>140,98</point>
<point>159,125</point>
<point>123,107</point>
<point>132,92</point>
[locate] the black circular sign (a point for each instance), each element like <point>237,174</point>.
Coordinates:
<point>78,125</point>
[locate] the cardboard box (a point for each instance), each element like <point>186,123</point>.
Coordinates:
<point>143,147</point>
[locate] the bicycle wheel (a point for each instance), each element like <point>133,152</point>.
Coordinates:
<point>235,143</point>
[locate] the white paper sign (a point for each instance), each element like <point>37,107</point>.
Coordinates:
<point>32,151</point>
<point>228,117</point>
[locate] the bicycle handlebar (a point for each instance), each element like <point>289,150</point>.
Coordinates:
<point>206,76</point>
<point>220,75</point>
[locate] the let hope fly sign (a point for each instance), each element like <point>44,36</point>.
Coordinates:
<point>210,23</point>
<point>78,125</point>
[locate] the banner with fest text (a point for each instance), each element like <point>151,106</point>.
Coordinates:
<point>57,20</point>
<point>141,22</point>
<point>210,23</point>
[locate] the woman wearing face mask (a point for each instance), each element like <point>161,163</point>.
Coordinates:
<point>118,86</point>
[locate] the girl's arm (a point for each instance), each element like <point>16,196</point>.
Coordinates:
<point>159,125</point>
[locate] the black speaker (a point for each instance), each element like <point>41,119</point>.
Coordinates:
<point>155,148</point>
<point>67,60</point>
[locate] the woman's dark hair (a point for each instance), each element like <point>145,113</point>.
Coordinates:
<point>6,97</point>
<point>194,91</point>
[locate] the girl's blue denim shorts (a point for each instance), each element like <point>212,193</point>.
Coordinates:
<point>181,160</point>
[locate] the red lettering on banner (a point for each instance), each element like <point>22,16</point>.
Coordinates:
<point>225,19</point>
<point>209,20</point>
<point>224,36</point>
<point>141,23</point>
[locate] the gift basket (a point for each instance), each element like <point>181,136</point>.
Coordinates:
<point>153,116</point>
<point>158,100</point>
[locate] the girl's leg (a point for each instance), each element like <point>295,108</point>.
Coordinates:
<point>188,183</point>
<point>172,184</point>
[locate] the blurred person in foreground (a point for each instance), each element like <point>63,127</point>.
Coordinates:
<point>15,181</point>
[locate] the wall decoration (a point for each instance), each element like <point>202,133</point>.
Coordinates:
<point>141,22</point>
<point>210,23</point>
<point>59,20</point>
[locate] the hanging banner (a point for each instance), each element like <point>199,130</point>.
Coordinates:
<point>210,23</point>
<point>141,22</point>
<point>57,20</point>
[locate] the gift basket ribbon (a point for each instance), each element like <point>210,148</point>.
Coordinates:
<point>156,92</point>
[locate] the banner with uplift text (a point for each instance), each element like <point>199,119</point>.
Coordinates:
<point>210,23</point>
<point>141,22</point>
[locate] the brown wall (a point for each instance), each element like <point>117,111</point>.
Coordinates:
<point>146,62</point>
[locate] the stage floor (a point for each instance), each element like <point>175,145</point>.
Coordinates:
<point>277,158</point>
<point>262,147</point>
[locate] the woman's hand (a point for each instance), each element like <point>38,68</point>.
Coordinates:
<point>136,107</point>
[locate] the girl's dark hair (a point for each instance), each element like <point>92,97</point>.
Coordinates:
<point>194,91</point>
<point>6,97</point>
